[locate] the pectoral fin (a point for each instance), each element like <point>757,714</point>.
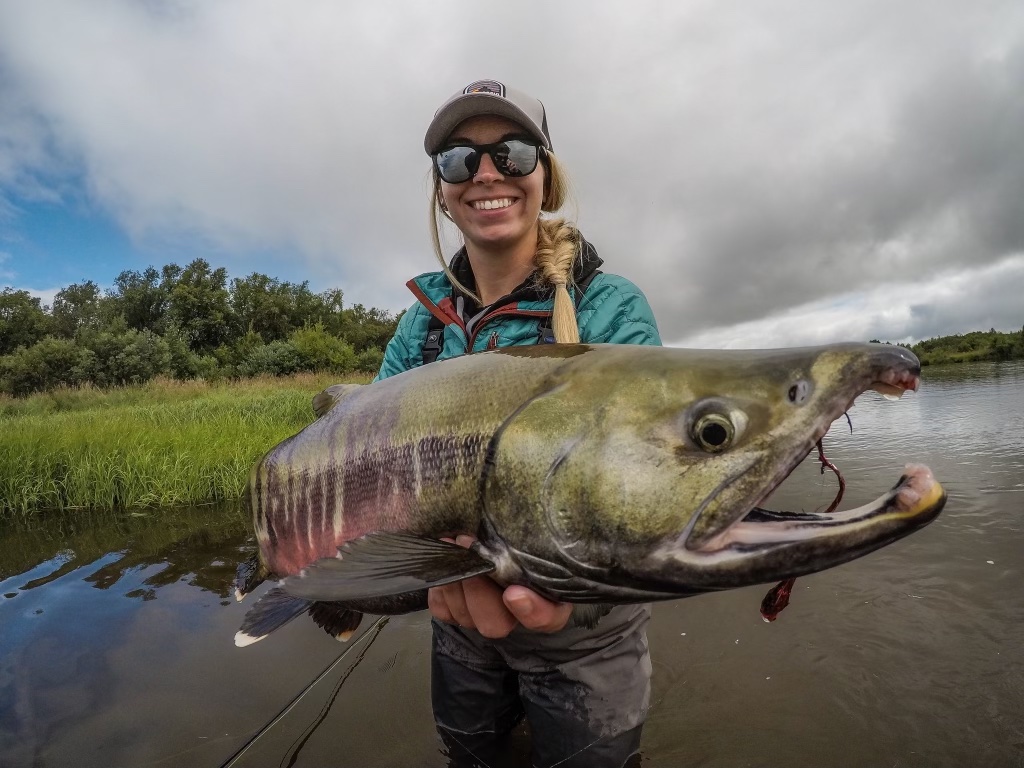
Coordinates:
<point>271,612</point>
<point>384,564</point>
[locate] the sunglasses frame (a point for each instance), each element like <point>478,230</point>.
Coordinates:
<point>490,150</point>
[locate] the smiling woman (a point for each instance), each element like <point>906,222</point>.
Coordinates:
<point>521,278</point>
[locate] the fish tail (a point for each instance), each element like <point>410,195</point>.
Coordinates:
<point>272,611</point>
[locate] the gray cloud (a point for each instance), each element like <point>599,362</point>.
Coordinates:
<point>944,304</point>
<point>738,161</point>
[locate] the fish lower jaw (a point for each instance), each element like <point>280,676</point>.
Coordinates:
<point>915,495</point>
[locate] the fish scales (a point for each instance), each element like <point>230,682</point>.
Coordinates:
<point>590,473</point>
<point>296,513</point>
<point>388,487</point>
<point>335,483</point>
<point>327,478</point>
<point>370,450</point>
<point>257,504</point>
<point>316,502</point>
<point>377,489</point>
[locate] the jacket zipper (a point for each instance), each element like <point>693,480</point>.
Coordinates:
<point>501,311</point>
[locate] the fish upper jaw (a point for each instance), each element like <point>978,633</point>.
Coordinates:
<point>891,383</point>
<point>895,372</point>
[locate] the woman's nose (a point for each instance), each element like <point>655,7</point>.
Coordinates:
<point>487,171</point>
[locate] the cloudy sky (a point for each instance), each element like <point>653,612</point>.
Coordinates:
<point>768,172</point>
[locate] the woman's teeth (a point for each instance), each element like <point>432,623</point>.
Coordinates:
<point>490,205</point>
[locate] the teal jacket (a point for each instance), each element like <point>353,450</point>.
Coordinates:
<point>611,311</point>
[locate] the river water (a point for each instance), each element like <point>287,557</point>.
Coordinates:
<point>116,632</point>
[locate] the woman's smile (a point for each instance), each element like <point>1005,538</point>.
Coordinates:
<point>492,204</point>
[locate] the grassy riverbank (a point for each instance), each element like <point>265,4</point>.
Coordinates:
<point>163,443</point>
<point>973,347</point>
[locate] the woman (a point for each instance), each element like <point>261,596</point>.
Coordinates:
<point>521,279</point>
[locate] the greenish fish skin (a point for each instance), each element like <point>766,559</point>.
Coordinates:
<point>591,473</point>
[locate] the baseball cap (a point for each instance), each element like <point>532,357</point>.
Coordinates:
<point>487,97</point>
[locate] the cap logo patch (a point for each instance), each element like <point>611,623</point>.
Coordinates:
<point>486,86</point>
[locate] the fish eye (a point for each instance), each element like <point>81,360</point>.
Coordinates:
<point>800,392</point>
<point>713,432</point>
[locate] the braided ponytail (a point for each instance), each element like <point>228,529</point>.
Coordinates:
<point>558,244</point>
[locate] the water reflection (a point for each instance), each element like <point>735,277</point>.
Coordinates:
<point>67,635</point>
<point>189,544</point>
<point>116,631</point>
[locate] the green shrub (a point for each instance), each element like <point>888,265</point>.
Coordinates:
<point>370,360</point>
<point>184,363</point>
<point>321,351</point>
<point>132,357</point>
<point>50,363</point>
<point>208,368</point>
<point>278,358</point>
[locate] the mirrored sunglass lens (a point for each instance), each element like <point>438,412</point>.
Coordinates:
<point>457,164</point>
<point>516,158</point>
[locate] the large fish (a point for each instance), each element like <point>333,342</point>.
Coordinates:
<point>590,473</point>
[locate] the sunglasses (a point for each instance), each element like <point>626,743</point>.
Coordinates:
<point>512,157</point>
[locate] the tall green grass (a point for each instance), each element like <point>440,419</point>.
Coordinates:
<point>164,443</point>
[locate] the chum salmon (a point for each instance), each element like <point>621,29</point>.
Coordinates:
<point>593,474</point>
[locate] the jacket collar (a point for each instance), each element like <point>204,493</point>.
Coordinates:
<point>531,289</point>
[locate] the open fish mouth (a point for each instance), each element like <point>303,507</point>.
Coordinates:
<point>894,382</point>
<point>915,499</point>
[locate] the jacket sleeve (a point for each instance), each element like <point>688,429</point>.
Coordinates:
<point>614,311</point>
<point>404,351</point>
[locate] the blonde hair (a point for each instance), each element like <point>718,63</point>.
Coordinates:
<point>558,247</point>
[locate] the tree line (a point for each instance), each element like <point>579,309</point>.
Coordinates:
<point>183,322</point>
<point>976,346</point>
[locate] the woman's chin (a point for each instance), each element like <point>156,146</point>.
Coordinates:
<point>500,236</point>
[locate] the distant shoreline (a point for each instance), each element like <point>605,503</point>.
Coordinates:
<point>975,347</point>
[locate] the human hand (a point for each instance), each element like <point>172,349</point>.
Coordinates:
<point>480,603</point>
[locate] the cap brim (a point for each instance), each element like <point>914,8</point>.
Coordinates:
<point>470,105</point>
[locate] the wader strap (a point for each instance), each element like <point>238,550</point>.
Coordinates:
<point>434,342</point>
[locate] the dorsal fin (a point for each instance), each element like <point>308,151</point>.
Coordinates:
<point>331,396</point>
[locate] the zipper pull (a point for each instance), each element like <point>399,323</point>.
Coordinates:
<point>492,343</point>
